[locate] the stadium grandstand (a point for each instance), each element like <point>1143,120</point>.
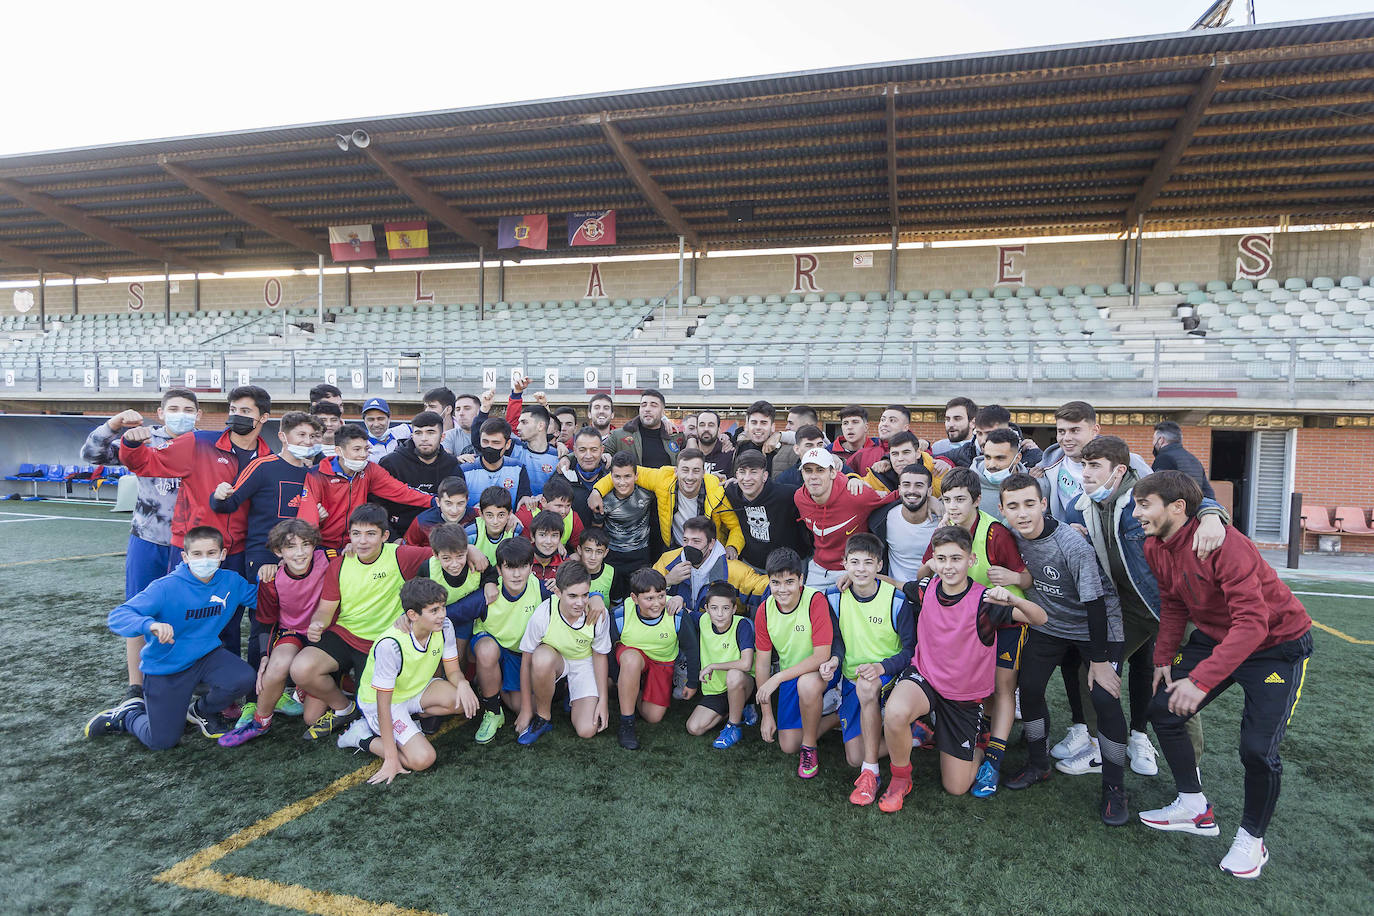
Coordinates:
<point>1173,227</point>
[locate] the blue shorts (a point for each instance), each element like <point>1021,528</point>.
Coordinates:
<point>789,705</point>
<point>849,706</point>
<point>145,562</point>
<point>1010,642</point>
<point>510,663</point>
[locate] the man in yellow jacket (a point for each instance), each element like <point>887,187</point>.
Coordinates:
<point>684,492</point>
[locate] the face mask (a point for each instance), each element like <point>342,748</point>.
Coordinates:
<point>353,466</point>
<point>329,451</point>
<point>1104,492</point>
<point>305,451</point>
<point>694,555</point>
<point>998,476</point>
<point>178,423</point>
<point>240,425</point>
<point>491,455</point>
<point>203,567</point>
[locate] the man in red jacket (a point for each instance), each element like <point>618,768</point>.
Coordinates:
<point>832,509</point>
<point>341,484</point>
<point>1250,631</point>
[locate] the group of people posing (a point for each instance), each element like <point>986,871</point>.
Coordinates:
<point>907,593</point>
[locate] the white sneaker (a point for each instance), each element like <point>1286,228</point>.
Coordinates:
<point>1018,704</point>
<point>1179,817</point>
<point>1089,760</point>
<point>353,736</point>
<point>1073,744</point>
<point>1247,856</point>
<point>1142,754</point>
<point>831,701</point>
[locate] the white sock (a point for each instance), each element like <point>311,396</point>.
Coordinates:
<point>1242,832</point>
<point>1141,734</point>
<point>870,768</point>
<point>1195,802</point>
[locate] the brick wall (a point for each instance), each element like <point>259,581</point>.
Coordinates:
<point>1333,469</point>
<point>1199,259</point>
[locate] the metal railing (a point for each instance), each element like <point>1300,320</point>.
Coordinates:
<point>1277,370</point>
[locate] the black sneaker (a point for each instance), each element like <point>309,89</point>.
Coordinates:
<point>1114,811</point>
<point>1029,776</point>
<point>628,739</point>
<point>134,692</point>
<point>111,721</point>
<point>211,725</point>
<point>430,724</point>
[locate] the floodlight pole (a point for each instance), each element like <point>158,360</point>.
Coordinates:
<point>167,292</point>
<point>892,270</point>
<point>1135,280</point>
<point>320,299</point>
<point>481,283</point>
<point>681,249</point>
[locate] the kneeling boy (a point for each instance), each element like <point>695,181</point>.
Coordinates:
<point>721,661</point>
<point>399,684</point>
<point>645,630</point>
<point>954,668</point>
<point>180,617</point>
<point>561,642</point>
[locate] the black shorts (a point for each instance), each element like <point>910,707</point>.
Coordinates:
<point>718,703</point>
<point>345,656</point>
<point>956,722</point>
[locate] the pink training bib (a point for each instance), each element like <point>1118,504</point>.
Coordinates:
<point>298,598</point>
<point>949,653</point>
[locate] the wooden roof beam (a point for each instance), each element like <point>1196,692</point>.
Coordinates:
<point>646,184</point>
<point>251,213</point>
<point>434,206</point>
<point>1173,149</point>
<point>95,227</point>
<point>12,254</point>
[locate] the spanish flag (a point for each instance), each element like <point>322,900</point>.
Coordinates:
<point>407,240</point>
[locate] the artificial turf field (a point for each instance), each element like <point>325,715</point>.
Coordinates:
<point>283,825</point>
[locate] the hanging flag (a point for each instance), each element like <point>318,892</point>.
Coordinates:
<point>528,231</point>
<point>407,240</point>
<point>595,228</point>
<point>352,243</point>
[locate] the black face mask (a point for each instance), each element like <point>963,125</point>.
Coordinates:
<point>240,425</point>
<point>491,455</point>
<point>694,555</point>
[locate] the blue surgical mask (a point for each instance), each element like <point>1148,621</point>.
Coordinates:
<point>305,451</point>
<point>178,423</point>
<point>203,567</point>
<point>1104,492</point>
<point>997,476</point>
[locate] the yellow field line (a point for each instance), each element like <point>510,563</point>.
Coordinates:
<point>1335,632</point>
<point>196,873</point>
<point>89,556</point>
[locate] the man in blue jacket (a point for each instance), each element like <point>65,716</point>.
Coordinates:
<point>180,616</point>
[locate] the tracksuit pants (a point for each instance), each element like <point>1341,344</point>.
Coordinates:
<point>167,696</point>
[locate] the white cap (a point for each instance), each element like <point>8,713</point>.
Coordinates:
<point>819,457</point>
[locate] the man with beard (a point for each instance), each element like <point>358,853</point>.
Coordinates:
<point>720,457</point>
<point>766,511</point>
<point>420,463</point>
<point>646,437</point>
<point>905,449</point>
<point>994,416</point>
<point>958,426</point>
<point>1001,458</point>
<point>600,413</point>
<point>906,528</point>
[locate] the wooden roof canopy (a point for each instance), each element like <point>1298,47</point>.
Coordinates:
<point>1204,129</point>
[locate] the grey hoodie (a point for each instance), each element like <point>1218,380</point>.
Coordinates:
<point>157,496</point>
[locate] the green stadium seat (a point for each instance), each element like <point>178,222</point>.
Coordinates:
<point>1118,289</point>
<point>1094,289</point>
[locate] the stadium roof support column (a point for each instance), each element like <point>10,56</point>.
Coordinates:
<point>434,206</point>
<point>892,153</point>
<point>253,214</point>
<point>645,182</point>
<point>1173,148</point>
<point>96,227</point>
<point>25,258</point>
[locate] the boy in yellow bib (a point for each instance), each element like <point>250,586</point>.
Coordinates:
<point>645,629</point>
<point>399,684</point>
<point>719,647</point>
<point>561,641</point>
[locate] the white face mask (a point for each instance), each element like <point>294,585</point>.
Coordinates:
<point>203,567</point>
<point>998,476</point>
<point>328,451</point>
<point>304,451</point>
<point>1104,492</point>
<point>178,423</point>
<point>353,466</point>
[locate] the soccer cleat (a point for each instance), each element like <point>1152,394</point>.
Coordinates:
<point>245,732</point>
<point>330,722</point>
<point>288,705</point>
<point>357,732</point>
<point>429,725</point>
<point>212,725</point>
<point>897,791</point>
<point>1142,754</point>
<point>751,715</point>
<point>246,713</point>
<point>1113,808</point>
<point>538,727</point>
<point>1073,744</point>
<point>111,721</point>
<point>1030,775</point>
<point>628,739</point>
<point>865,788</point>
<point>985,783</point>
<point>1247,856</point>
<point>1178,817</point>
<point>1086,761</point>
<point>491,724</point>
<point>808,763</point>
<point>729,736</point>
<point>921,735</point>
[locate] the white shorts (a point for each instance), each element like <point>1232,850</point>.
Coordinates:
<point>402,717</point>
<point>819,576</point>
<point>581,675</point>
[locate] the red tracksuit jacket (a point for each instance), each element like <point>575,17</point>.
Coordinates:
<point>340,495</point>
<point>1233,596</point>
<point>842,515</point>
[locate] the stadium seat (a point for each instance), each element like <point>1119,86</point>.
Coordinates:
<point>1351,520</point>
<point>1216,286</point>
<point>1317,519</point>
<point>1165,288</point>
<point>1118,289</point>
<point>1188,286</point>
<point>1294,284</point>
<point>1094,289</point>
<point>1267,284</point>
<point>1322,283</point>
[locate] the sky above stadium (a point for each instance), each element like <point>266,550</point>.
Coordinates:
<point>103,73</point>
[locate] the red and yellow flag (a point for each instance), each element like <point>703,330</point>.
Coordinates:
<point>407,240</point>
